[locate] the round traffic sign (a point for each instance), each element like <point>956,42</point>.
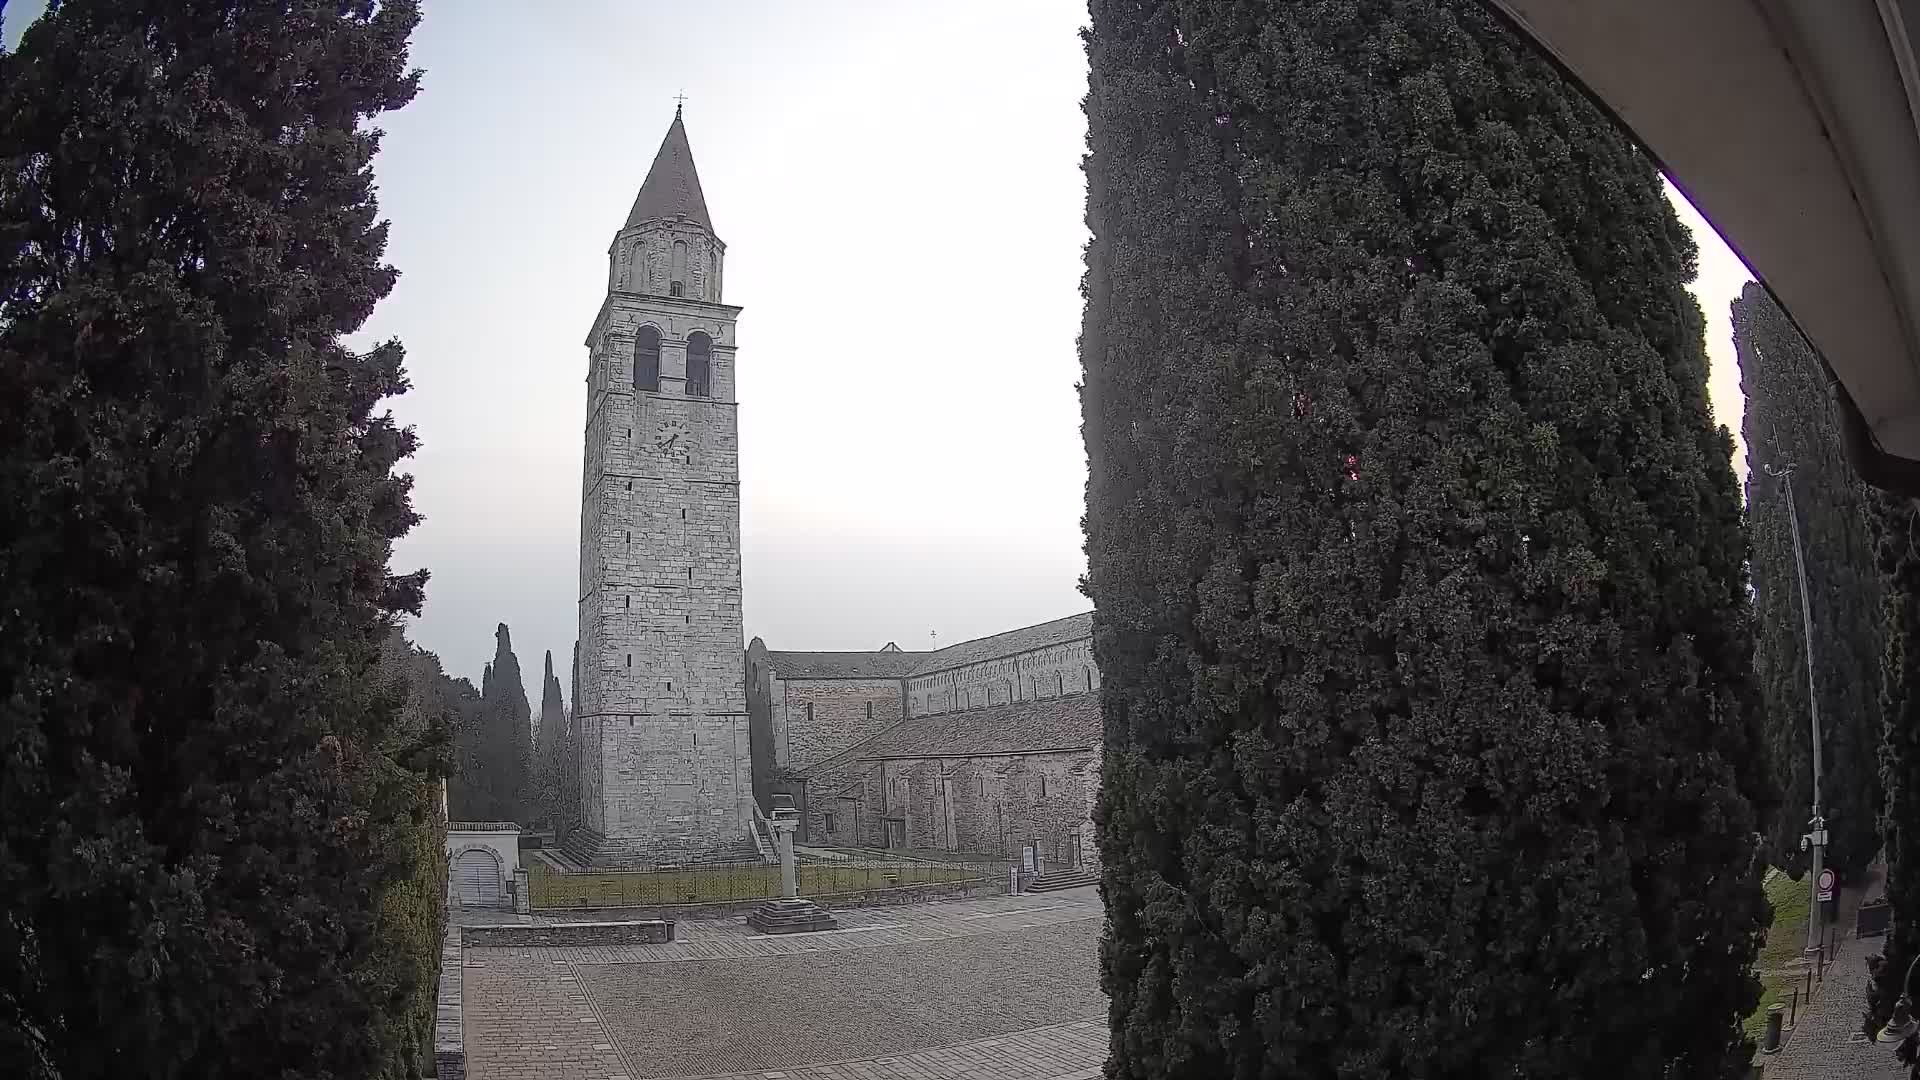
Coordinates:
<point>1826,880</point>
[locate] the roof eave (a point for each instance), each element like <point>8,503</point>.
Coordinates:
<point>1791,125</point>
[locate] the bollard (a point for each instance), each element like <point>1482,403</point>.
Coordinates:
<point>1770,1043</point>
<point>1820,962</point>
<point>1793,1017</point>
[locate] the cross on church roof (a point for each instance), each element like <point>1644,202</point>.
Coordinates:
<point>679,99</point>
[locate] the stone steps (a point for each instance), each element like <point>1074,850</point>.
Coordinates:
<point>1055,880</point>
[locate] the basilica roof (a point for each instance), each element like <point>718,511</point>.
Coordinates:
<point>672,187</point>
<point>886,664</point>
<point>1071,722</point>
<point>1025,639</point>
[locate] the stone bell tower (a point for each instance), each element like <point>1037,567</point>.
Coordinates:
<point>661,711</point>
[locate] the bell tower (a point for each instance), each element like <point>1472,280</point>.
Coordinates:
<point>661,710</point>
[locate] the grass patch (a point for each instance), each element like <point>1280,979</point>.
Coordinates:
<point>713,884</point>
<point>1787,934</point>
<point>1786,938</point>
<point>1774,986</point>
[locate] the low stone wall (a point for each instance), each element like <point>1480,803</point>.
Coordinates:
<point>898,896</point>
<point>449,1037</point>
<point>631,932</point>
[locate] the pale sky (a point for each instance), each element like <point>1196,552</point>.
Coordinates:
<point>898,185</point>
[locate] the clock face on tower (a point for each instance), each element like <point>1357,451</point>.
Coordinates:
<point>670,440</point>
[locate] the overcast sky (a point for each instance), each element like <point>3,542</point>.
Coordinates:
<point>898,185</point>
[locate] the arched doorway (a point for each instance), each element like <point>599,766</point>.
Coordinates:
<point>476,878</point>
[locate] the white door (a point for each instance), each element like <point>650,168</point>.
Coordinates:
<point>476,878</point>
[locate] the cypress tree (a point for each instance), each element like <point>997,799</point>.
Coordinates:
<point>201,765</point>
<point>1897,532</point>
<point>550,747</point>
<point>1791,420</point>
<point>1431,737</point>
<point>506,749</point>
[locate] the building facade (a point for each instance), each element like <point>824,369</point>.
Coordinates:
<point>660,717</point>
<point>986,748</point>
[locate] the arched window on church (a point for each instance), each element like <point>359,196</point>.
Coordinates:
<point>699,365</point>
<point>646,360</point>
<point>679,278</point>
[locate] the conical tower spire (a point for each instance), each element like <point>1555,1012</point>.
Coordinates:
<point>672,187</point>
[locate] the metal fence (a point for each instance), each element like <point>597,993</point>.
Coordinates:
<point>857,880</point>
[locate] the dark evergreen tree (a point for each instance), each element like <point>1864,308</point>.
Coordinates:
<point>549,748</point>
<point>402,980</point>
<point>570,751</point>
<point>468,797</point>
<point>1791,421</point>
<point>1432,739</point>
<point>201,767</point>
<point>506,747</point>
<point>1897,532</point>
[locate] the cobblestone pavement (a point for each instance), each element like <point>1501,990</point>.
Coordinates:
<point>1061,1052</point>
<point>1824,1043</point>
<point>1002,988</point>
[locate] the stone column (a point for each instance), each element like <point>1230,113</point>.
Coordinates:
<point>789,878</point>
<point>788,913</point>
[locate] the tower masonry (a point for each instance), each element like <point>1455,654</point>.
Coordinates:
<point>661,714</point>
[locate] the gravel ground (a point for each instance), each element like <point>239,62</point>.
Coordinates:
<point>703,1017</point>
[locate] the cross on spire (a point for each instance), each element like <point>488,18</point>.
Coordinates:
<point>679,99</point>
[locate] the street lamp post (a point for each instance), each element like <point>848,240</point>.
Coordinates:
<point>1815,841</point>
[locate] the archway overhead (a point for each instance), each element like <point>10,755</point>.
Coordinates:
<point>1793,126</point>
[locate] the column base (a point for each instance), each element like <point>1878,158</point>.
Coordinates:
<point>796,915</point>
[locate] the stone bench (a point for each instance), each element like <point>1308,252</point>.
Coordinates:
<point>631,932</point>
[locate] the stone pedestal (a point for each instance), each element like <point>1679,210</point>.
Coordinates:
<point>790,915</point>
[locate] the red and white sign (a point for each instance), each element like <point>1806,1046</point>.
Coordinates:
<point>1825,889</point>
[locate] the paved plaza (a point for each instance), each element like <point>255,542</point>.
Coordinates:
<point>999,989</point>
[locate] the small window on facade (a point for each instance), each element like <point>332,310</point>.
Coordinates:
<point>809,712</point>
<point>1043,786</point>
<point>626,602</point>
<point>629,538</point>
<point>699,365</point>
<point>669,687</point>
<point>629,659</point>
<point>1059,682</point>
<point>678,288</point>
<point>679,278</point>
<point>629,483</point>
<point>869,710</point>
<point>983,785</point>
<point>1089,672</point>
<point>830,823</point>
<point>646,362</point>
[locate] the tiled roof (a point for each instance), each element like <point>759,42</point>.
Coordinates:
<point>1025,639</point>
<point>1061,723</point>
<point>672,186</point>
<point>844,665</point>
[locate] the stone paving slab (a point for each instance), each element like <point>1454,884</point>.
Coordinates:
<point>726,942</point>
<point>1062,1052</point>
<point>783,1012</point>
<point>1004,988</point>
<point>534,1022</point>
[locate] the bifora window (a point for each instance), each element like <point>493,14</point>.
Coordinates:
<point>699,365</point>
<point>646,360</point>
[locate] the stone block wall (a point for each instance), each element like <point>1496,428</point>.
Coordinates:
<point>672,788</point>
<point>814,719</point>
<point>991,804</point>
